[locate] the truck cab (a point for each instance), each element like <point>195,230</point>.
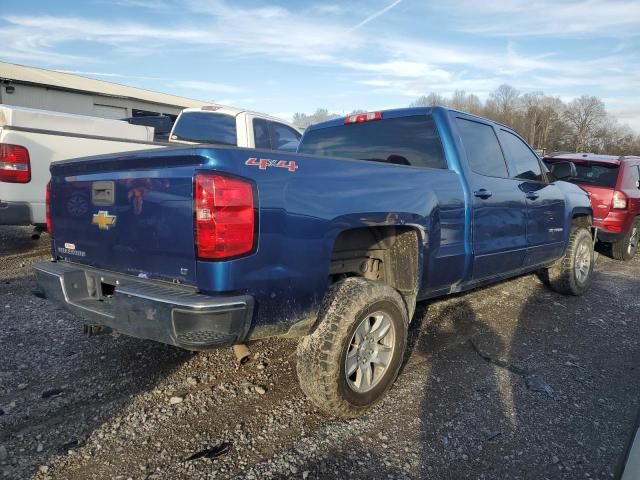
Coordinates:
<point>221,125</point>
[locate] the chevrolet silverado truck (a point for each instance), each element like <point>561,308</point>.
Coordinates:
<point>207,246</point>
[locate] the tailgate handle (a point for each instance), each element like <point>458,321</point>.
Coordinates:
<point>103,193</point>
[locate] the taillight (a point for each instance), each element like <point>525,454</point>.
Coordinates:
<point>363,117</point>
<point>224,216</point>
<point>15,166</point>
<point>48,207</point>
<point>619,200</point>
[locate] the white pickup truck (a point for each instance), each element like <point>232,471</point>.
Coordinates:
<point>223,125</point>
<point>30,140</point>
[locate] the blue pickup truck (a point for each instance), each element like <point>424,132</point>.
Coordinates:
<point>210,246</point>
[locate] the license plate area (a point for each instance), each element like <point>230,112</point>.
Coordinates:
<point>103,193</point>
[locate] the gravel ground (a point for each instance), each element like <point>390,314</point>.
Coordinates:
<point>511,381</point>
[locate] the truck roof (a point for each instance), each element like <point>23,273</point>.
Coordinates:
<point>402,112</point>
<point>224,109</point>
<point>590,157</point>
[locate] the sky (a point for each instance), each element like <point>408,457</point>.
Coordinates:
<point>281,57</point>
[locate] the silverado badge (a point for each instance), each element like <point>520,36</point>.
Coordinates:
<point>103,220</point>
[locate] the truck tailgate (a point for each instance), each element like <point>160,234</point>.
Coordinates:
<point>129,214</point>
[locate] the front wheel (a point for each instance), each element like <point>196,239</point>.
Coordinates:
<point>572,274</point>
<point>626,248</point>
<point>351,360</point>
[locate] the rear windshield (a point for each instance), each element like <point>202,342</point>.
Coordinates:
<point>409,140</point>
<point>205,127</point>
<point>595,174</point>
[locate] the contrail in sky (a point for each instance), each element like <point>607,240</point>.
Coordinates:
<point>374,16</point>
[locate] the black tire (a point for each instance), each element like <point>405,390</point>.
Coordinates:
<point>322,355</point>
<point>627,247</point>
<point>562,276</point>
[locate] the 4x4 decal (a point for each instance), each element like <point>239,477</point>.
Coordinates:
<point>264,163</point>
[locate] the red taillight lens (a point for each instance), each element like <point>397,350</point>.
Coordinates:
<point>363,117</point>
<point>15,166</point>
<point>224,216</point>
<point>48,206</point>
<point>619,201</point>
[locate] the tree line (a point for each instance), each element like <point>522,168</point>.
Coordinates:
<point>546,122</point>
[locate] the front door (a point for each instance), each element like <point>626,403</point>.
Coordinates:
<point>499,207</point>
<point>545,201</point>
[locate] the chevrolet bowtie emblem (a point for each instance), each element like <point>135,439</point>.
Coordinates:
<point>103,220</point>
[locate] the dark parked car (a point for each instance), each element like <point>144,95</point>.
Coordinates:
<point>614,185</point>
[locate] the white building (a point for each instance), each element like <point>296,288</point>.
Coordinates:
<point>63,92</point>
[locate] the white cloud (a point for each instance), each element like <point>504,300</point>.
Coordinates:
<point>611,18</point>
<point>401,68</point>
<point>208,87</point>
<point>323,36</point>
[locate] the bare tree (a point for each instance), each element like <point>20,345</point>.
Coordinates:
<point>584,115</point>
<point>303,120</point>
<point>431,100</point>
<point>504,103</point>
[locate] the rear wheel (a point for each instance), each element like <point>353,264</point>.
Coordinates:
<point>352,359</point>
<point>572,274</point>
<point>626,248</point>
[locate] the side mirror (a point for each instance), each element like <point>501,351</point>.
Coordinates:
<point>563,170</point>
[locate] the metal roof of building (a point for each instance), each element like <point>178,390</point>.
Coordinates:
<point>67,81</point>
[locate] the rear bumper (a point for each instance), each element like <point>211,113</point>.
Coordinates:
<point>609,237</point>
<point>171,314</point>
<point>15,213</point>
<point>614,226</point>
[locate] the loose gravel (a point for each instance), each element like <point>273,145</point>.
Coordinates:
<point>511,381</point>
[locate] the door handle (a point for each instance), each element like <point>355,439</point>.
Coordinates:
<point>532,195</point>
<point>483,193</point>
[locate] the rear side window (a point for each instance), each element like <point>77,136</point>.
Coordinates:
<point>412,140</point>
<point>482,148</point>
<point>261,133</point>
<point>632,177</point>
<point>523,162</point>
<point>596,174</point>
<point>284,137</point>
<point>206,127</point>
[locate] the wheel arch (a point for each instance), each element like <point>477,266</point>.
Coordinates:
<point>392,254</point>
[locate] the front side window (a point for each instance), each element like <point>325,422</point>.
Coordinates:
<point>206,127</point>
<point>482,148</point>
<point>411,140</point>
<point>522,161</point>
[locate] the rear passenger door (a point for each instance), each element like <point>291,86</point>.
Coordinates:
<point>545,201</point>
<point>498,206</point>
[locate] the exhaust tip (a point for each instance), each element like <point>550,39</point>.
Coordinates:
<point>242,353</point>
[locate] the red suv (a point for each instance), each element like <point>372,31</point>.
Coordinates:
<point>614,186</point>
